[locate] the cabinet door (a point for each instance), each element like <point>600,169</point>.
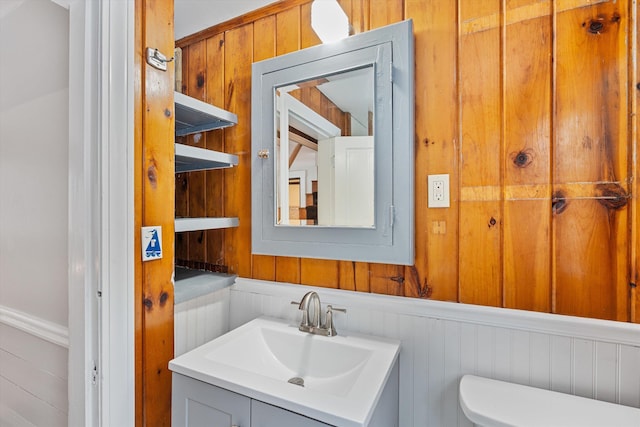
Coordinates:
<point>264,415</point>
<point>197,404</point>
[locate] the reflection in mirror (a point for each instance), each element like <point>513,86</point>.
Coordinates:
<point>325,158</point>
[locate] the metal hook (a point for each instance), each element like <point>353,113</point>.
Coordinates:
<point>157,60</point>
<point>160,57</point>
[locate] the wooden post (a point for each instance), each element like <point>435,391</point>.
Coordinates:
<point>154,190</point>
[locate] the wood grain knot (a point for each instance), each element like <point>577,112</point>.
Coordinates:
<point>599,25</point>
<point>230,90</point>
<point>183,181</point>
<point>638,86</point>
<point>428,142</point>
<point>523,158</point>
<point>200,80</point>
<point>596,27</point>
<point>612,196</point>
<point>152,174</point>
<point>167,112</point>
<point>398,279</point>
<point>221,43</point>
<point>201,237</point>
<point>148,303</point>
<point>163,298</point>
<point>492,222</point>
<point>558,202</point>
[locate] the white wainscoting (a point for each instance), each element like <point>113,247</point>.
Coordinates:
<point>33,371</point>
<point>199,320</point>
<point>443,341</point>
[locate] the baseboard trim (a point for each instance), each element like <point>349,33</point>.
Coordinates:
<point>43,329</point>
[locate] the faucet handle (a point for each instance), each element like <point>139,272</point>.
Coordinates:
<point>328,320</point>
<point>332,308</point>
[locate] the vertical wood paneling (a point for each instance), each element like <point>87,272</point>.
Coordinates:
<point>214,179</point>
<point>288,31</point>
<point>634,131</point>
<point>529,113</point>
<point>435,33</point>
<point>308,37</point>
<point>319,272</point>
<point>287,269</point>
<point>385,13</point>
<point>591,148</point>
<point>195,86</point>
<point>182,179</point>
<point>237,196</point>
<point>155,185</point>
<point>527,134</point>
<point>480,106</point>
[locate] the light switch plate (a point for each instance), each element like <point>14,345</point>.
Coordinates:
<point>438,188</point>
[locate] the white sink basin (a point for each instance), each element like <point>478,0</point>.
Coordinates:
<point>343,376</point>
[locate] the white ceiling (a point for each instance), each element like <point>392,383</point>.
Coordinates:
<point>192,16</point>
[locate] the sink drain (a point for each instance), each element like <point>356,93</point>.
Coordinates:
<point>297,381</point>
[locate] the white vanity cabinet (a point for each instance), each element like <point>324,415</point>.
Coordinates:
<point>196,404</point>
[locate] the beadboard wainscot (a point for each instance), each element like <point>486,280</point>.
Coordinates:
<point>442,341</point>
<point>199,318</point>
<point>33,370</point>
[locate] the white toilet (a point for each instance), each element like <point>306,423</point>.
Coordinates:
<point>492,403</point>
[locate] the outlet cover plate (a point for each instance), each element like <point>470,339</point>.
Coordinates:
<point>438,187</point>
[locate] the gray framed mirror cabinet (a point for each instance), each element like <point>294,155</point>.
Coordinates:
<point>333,150</point>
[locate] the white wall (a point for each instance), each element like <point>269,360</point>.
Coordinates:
<point>34,135</point>
<point>443,341</point>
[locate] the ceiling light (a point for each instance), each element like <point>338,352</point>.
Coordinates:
<point>329,21</point>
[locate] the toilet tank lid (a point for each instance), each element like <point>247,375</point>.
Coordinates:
<point>494,403</point>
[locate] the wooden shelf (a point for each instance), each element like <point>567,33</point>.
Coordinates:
<point>190,158</point>
<point>197,224</point>
<point>194,116</point>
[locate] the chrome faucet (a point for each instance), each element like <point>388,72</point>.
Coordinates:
<point>311,321</point>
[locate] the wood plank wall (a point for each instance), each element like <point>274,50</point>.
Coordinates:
<point>154,190</point>
<point>529,105</point>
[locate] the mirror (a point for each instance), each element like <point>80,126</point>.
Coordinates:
<point>325,157</point>
<point>332,150</point>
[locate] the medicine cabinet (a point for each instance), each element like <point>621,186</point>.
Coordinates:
<point>332,150</point>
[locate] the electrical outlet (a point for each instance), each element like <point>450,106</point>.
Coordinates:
<point>438,187</point>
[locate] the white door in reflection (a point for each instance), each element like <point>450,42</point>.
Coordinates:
<point>346,181</point>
